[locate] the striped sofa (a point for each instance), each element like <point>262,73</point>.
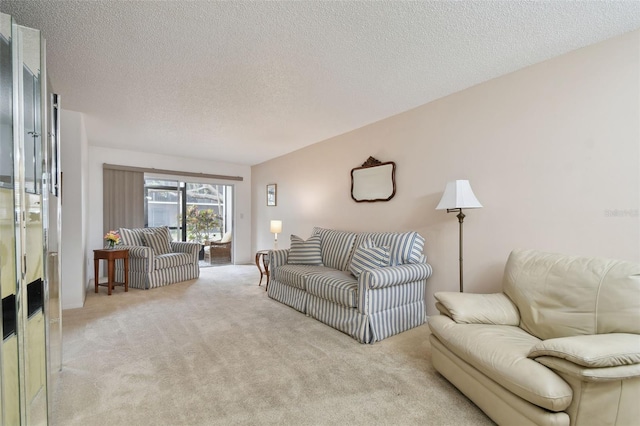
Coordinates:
<point>155,260</point>
<point>382,298</point>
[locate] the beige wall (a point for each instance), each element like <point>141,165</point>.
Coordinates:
<point>552,152</point>
<point>73,164</point>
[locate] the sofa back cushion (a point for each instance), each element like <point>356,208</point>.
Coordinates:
<point>404,247</point>
<point>559,295</point>
<point>336,247</point>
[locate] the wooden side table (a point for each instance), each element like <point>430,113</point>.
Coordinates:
<point>110,255</point>
<point>262,262</point>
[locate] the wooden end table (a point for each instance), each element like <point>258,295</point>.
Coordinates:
<point>262,262</point>
<point>110,255</point>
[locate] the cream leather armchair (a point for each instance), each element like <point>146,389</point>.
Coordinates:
<point>559,346</point>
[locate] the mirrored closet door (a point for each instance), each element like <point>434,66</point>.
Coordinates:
<point>25,200</point>
<point>10,389</point>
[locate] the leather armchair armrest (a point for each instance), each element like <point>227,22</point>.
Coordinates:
<point>470,308</point>
<point>588,374</point>
<point>443,310</point>
<point>592,351</point>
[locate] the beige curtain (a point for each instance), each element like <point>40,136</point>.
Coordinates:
<point>123,199</point>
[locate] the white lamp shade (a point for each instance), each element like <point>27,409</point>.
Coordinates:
<point>276,226</point>
<point>458,195</point>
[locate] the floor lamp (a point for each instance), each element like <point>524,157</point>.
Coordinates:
<point>276,228</point>
<point>457,196</point>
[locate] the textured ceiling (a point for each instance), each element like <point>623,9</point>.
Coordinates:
<point>245,82</point>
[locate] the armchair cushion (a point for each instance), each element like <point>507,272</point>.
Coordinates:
<point>157,239</point>
<point>470,308</point>
<point>171,260</point>
<point>597,350</point>
<point>305,252</point>
<point>559,295</point>
<point>368,257</point>
<point>500,352</point>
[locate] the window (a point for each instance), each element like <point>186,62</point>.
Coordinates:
<point>193,211</point>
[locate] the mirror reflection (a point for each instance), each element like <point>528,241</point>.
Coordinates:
<point>23,372</point>
<point>9,376</point>
<point>33,285</point>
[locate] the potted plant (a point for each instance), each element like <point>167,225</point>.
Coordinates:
<point>201,223</point>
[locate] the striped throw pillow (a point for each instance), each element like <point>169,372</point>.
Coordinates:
<point>164,230</point>
<point>336,247</point>
<point>367,257</point>
<point>131,237</point>
<point>305,252</point>
<point>158,240</point>
<point>405,247</point>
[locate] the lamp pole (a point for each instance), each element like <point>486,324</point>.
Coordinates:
<point>460,217</point>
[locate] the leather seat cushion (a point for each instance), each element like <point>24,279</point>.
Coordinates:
<point>500,352</point>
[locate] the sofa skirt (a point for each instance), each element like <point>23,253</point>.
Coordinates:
<point>347,320</point>
<point>290,296</point>
<point>160,277</point>
<point>396,320</point>
<point>136,279</point>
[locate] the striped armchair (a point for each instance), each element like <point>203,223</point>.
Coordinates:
<point>155,260</point>
<point>367,285</point>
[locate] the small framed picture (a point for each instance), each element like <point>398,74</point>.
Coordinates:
<point>272,194</point>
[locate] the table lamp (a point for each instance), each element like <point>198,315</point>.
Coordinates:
<point>276,228</point>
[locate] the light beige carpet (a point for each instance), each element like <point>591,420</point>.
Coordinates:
<point>218,351</point>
